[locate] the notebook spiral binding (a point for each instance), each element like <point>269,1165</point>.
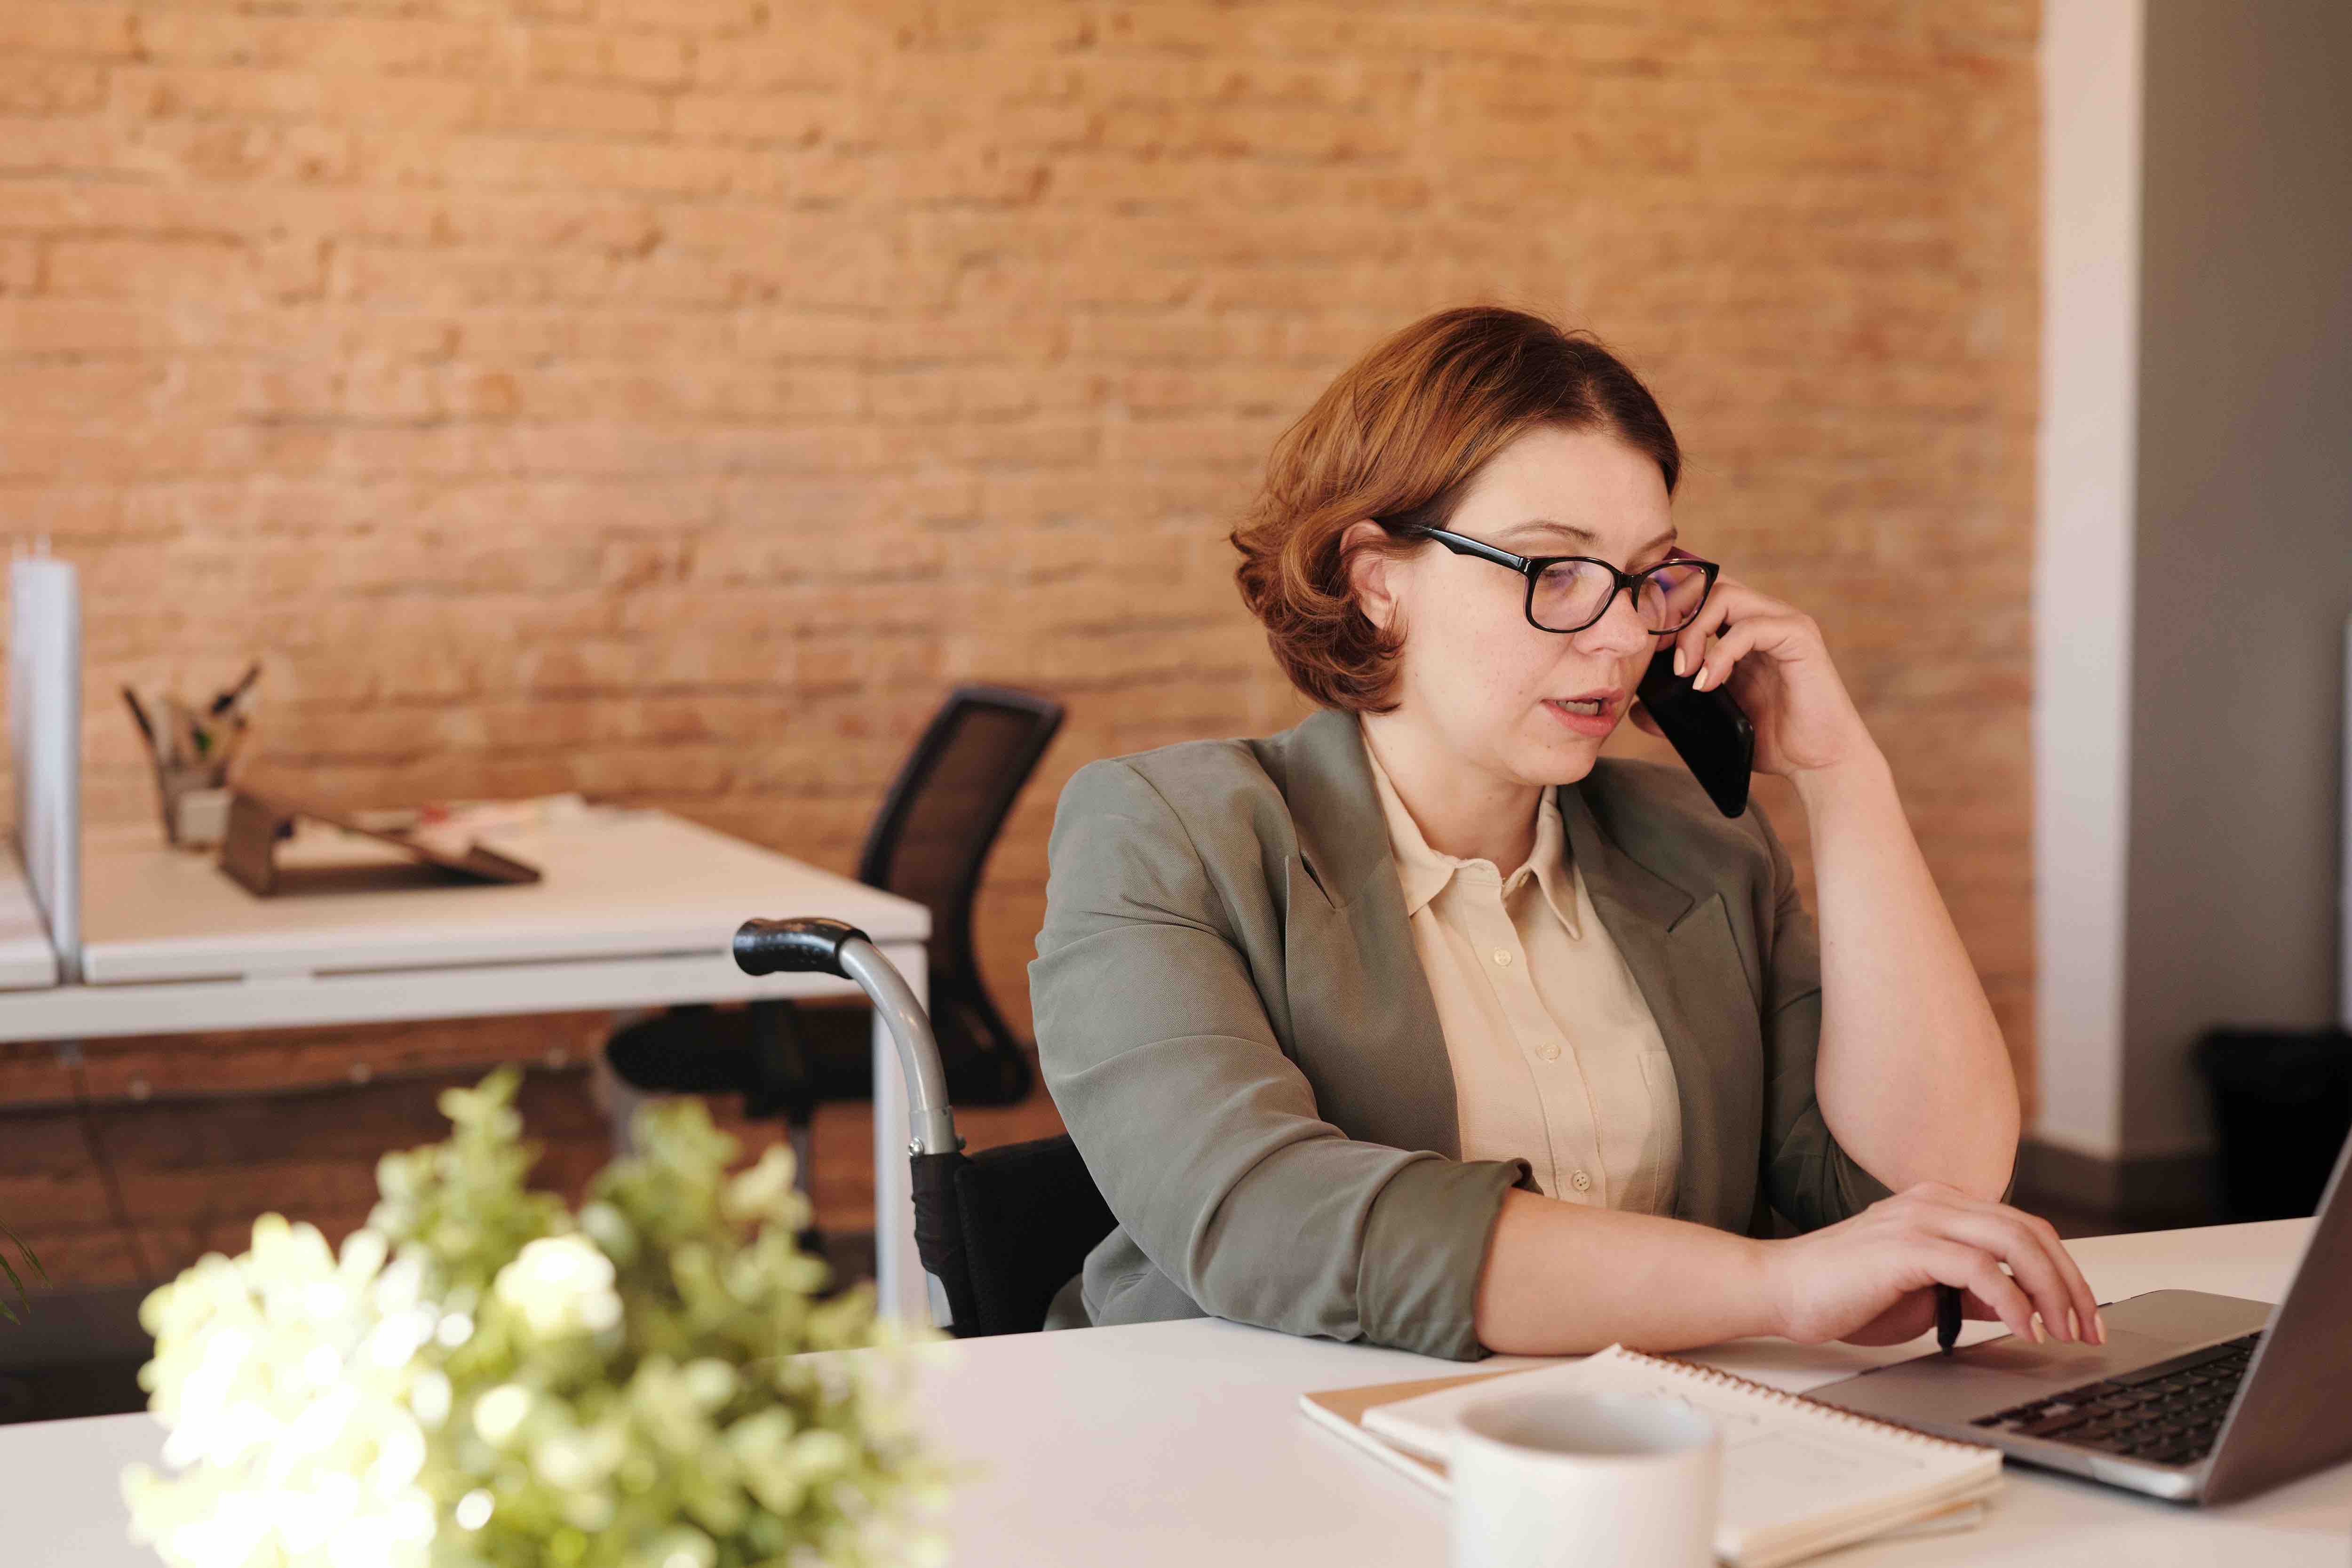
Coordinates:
<point>1791,1401</point>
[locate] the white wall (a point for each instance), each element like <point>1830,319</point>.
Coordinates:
<point>2194,548</point>
<point>2244,538</point>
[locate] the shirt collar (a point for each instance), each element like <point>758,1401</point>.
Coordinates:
<point>1424,872</point>
<point>1551,866</point>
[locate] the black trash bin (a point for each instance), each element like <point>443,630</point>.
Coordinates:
<point>2281,1106</point>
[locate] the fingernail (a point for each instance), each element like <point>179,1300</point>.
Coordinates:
<point>1698,681</point>
<point>2101,1319</point>
<point>2074,1325</point>
<point>2038,1337</point>
<point>1682,660</point>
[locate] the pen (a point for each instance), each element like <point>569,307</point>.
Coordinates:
<point>228,700</point>
<point>146,730</point>
<point>1948,1317</point>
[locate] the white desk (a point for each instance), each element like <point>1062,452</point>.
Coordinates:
<point>635,908</point>
<point>1180,1443</point>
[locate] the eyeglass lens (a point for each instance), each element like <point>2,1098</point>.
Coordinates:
<point>1572,595</point>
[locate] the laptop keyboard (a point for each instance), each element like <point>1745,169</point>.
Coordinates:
<point>2169,1413</point>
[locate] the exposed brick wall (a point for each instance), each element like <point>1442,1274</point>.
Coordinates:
<point>669,398</point>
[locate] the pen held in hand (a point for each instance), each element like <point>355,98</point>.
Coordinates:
<point>1948,1317</point>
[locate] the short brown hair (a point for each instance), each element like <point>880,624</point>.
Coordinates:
<point>1397,439</point>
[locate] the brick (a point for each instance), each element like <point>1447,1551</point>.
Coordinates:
<point>64,203</point>
<point>336,44</point>
<point>243,151</point>
<point>693,17</point>
<point>591,54</point>
<point>20,267</point>
<point>824,52</point>
<point>671,397</point>
<point>599,110</point>
<point>77,146</point>
<point>303,97</point>
<point>69,29</point>
<point>797,119</point>
<point>36,86</point>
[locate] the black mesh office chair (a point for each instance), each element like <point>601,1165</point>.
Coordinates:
<point>1001,1230</point>
<point>929,843</point>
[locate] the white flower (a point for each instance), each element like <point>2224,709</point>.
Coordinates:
<point>285,1378</point>
<point>764,1190</point>
<point>561,1285</point>
<point>682,1546</point>
<point>498,1413</point>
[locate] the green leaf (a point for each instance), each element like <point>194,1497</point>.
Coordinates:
<point>27,1252</point>
<point>15,1281</point>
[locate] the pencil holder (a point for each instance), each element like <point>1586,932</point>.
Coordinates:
<point>195,798</point>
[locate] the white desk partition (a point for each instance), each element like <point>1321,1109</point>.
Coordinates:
<point>45,740</point>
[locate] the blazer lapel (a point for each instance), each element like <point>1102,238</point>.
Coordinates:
<point>1364,1024</point>
<point>1677,943</point>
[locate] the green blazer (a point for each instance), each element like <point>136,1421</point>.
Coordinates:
<point>1233,1022</point>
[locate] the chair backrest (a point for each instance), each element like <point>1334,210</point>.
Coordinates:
<point>1002,1229</point>
<point>946,805</point>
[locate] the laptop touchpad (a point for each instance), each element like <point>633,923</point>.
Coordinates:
<point>1981,1379</point>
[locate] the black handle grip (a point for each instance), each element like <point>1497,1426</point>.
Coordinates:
<point>811,944</point>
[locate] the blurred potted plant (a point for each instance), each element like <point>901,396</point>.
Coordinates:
<point>484,1379</point>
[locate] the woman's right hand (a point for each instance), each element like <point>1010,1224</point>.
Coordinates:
<point>1871,1280</point>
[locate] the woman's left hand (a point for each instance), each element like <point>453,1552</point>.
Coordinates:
<point>1777,669</point>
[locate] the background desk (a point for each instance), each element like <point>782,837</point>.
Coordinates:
<point>635,908</point>
<point>1180,1443</point>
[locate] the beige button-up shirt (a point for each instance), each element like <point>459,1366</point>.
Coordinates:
<point>1556,1057</point>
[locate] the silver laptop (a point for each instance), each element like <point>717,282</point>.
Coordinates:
<point>2198,1397</point>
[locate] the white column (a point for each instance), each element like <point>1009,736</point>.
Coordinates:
<point>2084,504</point>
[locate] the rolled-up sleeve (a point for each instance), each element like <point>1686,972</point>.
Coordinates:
<point>1203,1136</point>
<point>1806,1175</point>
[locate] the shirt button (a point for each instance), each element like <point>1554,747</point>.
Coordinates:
<point>1548,1053</point>
<point>1503,956</point>
<point>1580,1182</point>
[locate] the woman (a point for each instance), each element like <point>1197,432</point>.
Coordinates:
<point>1419,1024</point>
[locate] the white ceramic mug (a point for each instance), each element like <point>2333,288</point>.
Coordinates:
<point>1584,1480</point>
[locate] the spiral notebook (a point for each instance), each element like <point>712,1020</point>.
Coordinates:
<point>1798,1478</point>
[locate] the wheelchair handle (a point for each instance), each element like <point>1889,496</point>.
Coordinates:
<point>811,945</point>
<point>815,945</point>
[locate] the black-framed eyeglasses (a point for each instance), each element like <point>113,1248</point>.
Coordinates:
<point>1568,592</point>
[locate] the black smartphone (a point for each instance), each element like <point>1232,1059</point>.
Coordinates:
<point>1709,732</point>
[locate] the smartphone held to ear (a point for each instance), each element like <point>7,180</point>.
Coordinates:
<point>1709,732</point>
